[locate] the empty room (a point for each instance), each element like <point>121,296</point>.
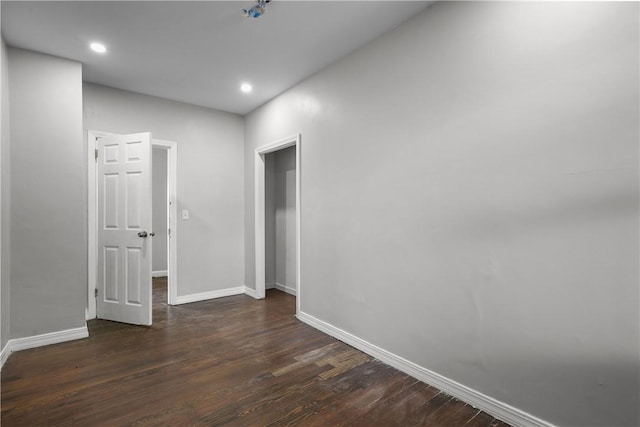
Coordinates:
<point>320,213</point>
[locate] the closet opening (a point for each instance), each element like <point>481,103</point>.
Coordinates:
<point>280,221</point>
<point>277,209</point>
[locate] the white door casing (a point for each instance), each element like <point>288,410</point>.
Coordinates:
<point>124,217</point>
<point>172,214</point>
<point>259,214</point>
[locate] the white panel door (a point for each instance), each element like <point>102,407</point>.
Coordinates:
<point>124,228</point>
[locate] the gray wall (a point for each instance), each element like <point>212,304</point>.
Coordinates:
<point>210,178</point>
<point>159,187</point>
<point>285,217</point>
<point>5,191</point>
<point>48,233</point>
<point>470,200</point>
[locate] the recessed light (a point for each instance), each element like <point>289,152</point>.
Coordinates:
<point>98,47</point>
<point>246,87</point>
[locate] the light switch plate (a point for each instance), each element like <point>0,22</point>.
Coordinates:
<point>185,214</point>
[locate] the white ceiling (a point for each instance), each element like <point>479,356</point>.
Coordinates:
<point>199,52</point>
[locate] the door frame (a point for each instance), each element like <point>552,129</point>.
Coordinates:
<point>259,191</point>
<point>92,218</point>
<point>172,214</point>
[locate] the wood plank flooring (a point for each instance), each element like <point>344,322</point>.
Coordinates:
<point>232,361</point>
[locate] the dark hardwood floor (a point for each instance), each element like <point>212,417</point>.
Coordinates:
<point>231,361</point>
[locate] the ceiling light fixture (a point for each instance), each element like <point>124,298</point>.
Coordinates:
<point>98,47</point>
<point>257,10</point>
<point>246,87</point>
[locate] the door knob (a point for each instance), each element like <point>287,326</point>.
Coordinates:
<point>142,234</point>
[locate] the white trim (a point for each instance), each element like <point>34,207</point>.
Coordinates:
<point>496,408</point>
<point>251,292</point>
<point>298,217</point>
<point>185,299</point>
<point>159,273</point>
<point>284,288</point>
<point>5,353</point>
<point>172,219</point>
<point>172,186</point>
<point>92,221</point>
<point>259,189</point>
<point>18,344</point>
<point>26,343</point>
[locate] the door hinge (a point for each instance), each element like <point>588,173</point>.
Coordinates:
<point>95,292</point>
<point>169,232</point>
<point>96,153</point>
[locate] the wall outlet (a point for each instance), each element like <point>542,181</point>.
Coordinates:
<point>185,214</point>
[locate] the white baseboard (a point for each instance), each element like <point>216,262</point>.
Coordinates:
<point>5,353</point>
<point>185,299</point>
<point>18,344</point>
<point>284,288</point>
<point>25,343</point>
<point>479,400</point>
<point>281,287</point>
<point>159,273</point>
<point>251,292</point>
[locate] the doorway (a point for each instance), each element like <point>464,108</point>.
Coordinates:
<point>168,147</point>
<point>160,220</point>
<point>280,220</point>
<point>260,210</point>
